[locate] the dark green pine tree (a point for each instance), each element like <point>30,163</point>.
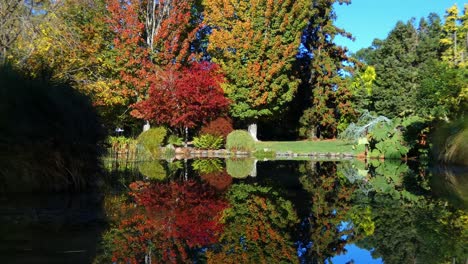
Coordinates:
<point>396,63</point>
<point>324,93</point>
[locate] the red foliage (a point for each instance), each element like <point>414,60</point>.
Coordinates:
<point>173,218</point>
<point>221,126</point>
<point>184,98</point>
<point>219,180</point>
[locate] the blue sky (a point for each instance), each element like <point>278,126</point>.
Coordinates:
<point>370,19</point>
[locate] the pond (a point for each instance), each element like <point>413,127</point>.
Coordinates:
<point>246,211</point>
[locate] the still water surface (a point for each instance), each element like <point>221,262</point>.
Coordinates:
<point>246,211</point>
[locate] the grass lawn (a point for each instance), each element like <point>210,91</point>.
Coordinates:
<point>321,146</point>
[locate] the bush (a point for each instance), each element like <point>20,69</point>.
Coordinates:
<point>221,126</point>
<point>240,140</point>
<point>239,168</point>
<point>175,140</point>
<point>152,140</point>
<point>208,142</point>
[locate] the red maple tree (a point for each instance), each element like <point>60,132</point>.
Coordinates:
<point>185,98</point>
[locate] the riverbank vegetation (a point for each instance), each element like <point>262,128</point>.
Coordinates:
<point>203,68</point>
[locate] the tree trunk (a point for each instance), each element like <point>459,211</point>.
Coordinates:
<point>253,173</point>
<point>253,131</point>
<point>186,137</point>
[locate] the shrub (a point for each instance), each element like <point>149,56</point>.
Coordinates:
<point>208,142</point>
<point>175,140</point>
<point>239,168</point>
<point>221,126</point>
<point>240,140</point>
<point>152,140</point>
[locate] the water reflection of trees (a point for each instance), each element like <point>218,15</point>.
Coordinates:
<point>168,222</point>
<point>330,198</point>
<point>382,207</point>
<point>257,228</point>
<point>410,225</point>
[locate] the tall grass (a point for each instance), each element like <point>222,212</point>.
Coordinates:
<point>49,135</point>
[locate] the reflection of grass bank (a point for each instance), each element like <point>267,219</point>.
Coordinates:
<point>323,146</point>
<point>49,136</point>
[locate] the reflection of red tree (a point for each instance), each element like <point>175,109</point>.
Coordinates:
<point>173,218</point>
<point>219,180</point>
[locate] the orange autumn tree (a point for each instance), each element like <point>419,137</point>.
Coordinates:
<point>256,43</point>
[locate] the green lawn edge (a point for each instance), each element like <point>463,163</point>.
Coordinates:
<point>305,147</point>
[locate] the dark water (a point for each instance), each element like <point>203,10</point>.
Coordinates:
<point>242,211</point>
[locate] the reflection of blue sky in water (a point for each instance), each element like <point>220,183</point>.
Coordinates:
<point>356,255</point>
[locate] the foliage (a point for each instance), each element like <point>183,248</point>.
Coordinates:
<point>361,88</point>
<point>185,98</point>
<point>239,168</point>
<point>220,126</point>
<point>387,141</point>
<point>175,140</point>
<point>152,140</point>
<point>121,143</point>
<point>206,166</point>
<point>153,170</point>
<point>365,123</point>
<point>417,71</point>
<point>453,36</point>
<point>208,141</point>
<point>240,140</point>
<point>256,46</point>
<point>70,42</point>
<point>328,99</point>
<point>443,93</point>
<point>256,227</point>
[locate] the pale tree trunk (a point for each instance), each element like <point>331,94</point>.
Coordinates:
<point>253,173</point>
<point>186,137</point>
<point>253,131</point>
